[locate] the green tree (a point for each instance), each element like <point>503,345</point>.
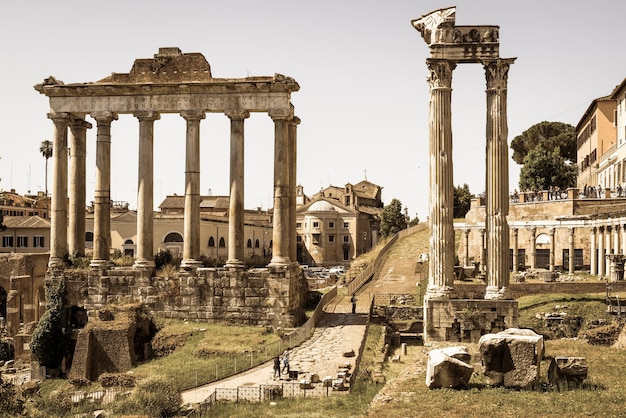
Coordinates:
<point>544,168</point>
<point>392,219</point>
<point>51,338</point>
<point>462,200</point>
<point>45,148</point>
<point>547,135</point>
<point>414,221</point>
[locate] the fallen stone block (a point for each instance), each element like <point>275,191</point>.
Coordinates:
<point>568,369</point>
<point>446,371</point>
<point>511,358</point>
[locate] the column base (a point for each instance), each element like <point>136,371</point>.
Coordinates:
<point>234,264</point>
<point>101,264</point>
<point>190,264</point>
<point>143,264</point>
<point>56,262</point>
<point>495,293</point>
<point>439,292</point>
<point>279,261</point>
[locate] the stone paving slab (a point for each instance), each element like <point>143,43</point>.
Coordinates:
<point>338,331</point>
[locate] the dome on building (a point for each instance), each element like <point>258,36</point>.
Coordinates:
<point>321,206</point>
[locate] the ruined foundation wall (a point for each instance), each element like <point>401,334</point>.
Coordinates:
<point>253,297</point>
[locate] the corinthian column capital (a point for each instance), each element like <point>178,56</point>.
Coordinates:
<point>440,73</point>
<point>497,72</point>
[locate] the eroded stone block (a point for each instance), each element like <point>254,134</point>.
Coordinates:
<point>448,368</point>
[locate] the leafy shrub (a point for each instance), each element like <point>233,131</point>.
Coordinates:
<point>155,397</point>
<point>7,351</point>
<point>57,404</point>
<point>163,258</point>
<point>11,401</point>
<point>51,338</point>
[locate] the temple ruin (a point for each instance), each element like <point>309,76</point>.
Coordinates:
<point>175,82</point>
<point>450,45</point>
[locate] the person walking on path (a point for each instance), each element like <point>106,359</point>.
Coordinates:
<point>286,362</point>
<point>277,367</point>
<point>353,300</point>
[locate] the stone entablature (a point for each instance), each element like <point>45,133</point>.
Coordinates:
<point>253,297</point>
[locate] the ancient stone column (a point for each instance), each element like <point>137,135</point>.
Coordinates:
<point>497,179</point>
<point>191,248</point>
<point>515,250</point>
<point>552,248</point>
<point>601,256</point>
<point>616,234</point>
<point>623,238</point>
<point>533,248</point>
<point>466,245</point>
<point>483,252</point>
<point>441,201</point>
<point>102,193</point>
<point>280,244</point>
<point>571,251</point>
<point>607,250</point>
<point>58,210</point>
<point>593,262</point>
<point>78,145</point>
<point>236,202</point>
<point>145,189</point>
<point>293,148</point>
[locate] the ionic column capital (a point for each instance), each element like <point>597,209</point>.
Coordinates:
<point>280,114</point>
<point>237,114</point>
<point>104,117</point>
<point>78,123</point>
<point>295,121</point>
<point>61,117</point>
<point>191,115</point>
<point>147,115</point>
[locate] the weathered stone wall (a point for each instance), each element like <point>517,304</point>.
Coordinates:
<point>465,320</point>
<point>253,297</point>
<point>22,277</point>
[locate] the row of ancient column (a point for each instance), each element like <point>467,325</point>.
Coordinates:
<point>284,224</point>
<point>533,249</point>
<point>606,240</point>
<point>441,198</point>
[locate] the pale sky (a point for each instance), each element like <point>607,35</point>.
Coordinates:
<point>363,97</point>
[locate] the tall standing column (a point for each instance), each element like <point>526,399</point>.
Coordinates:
<point>571,260</point>
<point>616,234</point>
<point>483,252</point>
<point>145,190</point>
<point>552,248</point>
<point>607,250</point>
<point>280,244</point>
<point>601,256</point>
<point>191,248</point>
<point>593,260</point>
<point>497,190</point>
<point>102,193</point>
<point>441,201</point>
<point>78,144</point>
<point>236,201</point>
<point>515,250</point>
<point>293,150</point>
<point>58,215</point>
<point>533,248</point>
<point>623,238</point>
<point>466,246</point>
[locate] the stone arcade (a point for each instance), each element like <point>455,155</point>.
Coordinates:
<point>446,318</point>
<point>175,82</point>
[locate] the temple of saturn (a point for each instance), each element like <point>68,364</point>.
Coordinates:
<point>174,82</point>
<point>445,316</point>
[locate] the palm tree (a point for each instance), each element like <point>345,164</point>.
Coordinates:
<point>45,148</point>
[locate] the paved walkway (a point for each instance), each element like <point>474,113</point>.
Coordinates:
<point>338,331</point>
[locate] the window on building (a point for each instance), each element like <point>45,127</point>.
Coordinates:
<point>211,242</point>
<point>7,241</point>
<point>38,241</point>
<point>316,239</point>
<point>249,244</point>
<point>222,242</point>
<point>346,238</point>
<point>299,238</point>
<point>256,244</point>
<point>299,225</point>
<point>331,238</point>
<point>316,224</point>
<point>346,224</point>
<point>89,236</point>
<point>331,224</point>
<point>22,241</point>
